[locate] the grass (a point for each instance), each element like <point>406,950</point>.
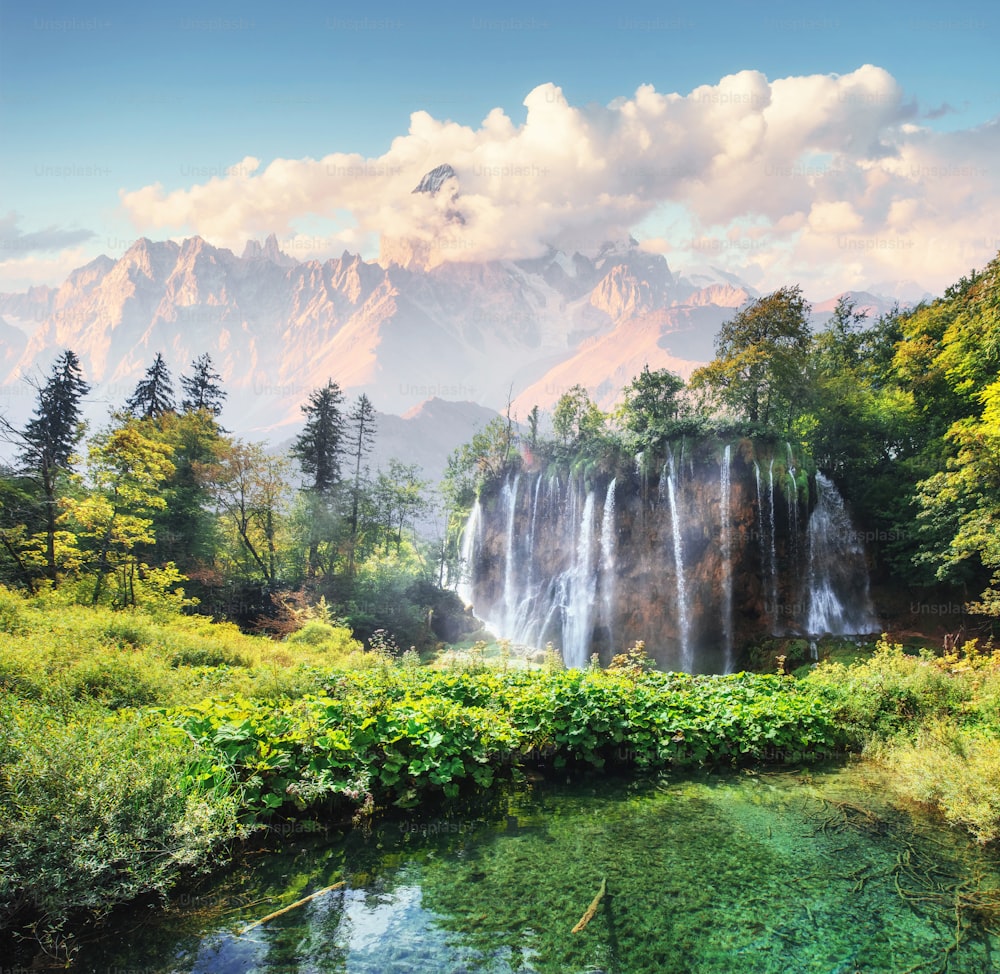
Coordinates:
<point>933,720</point>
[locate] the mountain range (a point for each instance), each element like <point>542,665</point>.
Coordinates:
<point>410,327</point>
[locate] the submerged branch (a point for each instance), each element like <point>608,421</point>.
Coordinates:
<point>592,909</point>
<point>291,906</point>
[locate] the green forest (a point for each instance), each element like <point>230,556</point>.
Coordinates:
<point>199,636</point>
<point>163,505</point>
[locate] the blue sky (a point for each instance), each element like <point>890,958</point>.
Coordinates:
<point>99,98</point>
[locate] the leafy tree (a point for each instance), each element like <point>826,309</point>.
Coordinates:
<point>49,440</point>
<point>250,490</point>
<point>651,403</point>
<point>186,528</point>
<point>576,417</point>
<point>202,390</point>
<point>399,500</point>
<point>154,395</point>
<point>489,454</point>
<point>125,470</point>
<point>759,372</point>
<point>16,501</point>
<point>959,340</point>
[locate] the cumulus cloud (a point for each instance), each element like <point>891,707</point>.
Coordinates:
<point>830,180</point>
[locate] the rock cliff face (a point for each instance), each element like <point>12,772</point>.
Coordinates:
<point>697,555</point>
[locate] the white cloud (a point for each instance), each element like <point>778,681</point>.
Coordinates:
<point>834,173</point>
<point>21,273</point>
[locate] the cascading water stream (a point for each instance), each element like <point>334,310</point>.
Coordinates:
<point>835,557</point>
<point>793,504</point>
<point>471,539</point>
<point>760,513</point>
<point>509,594</point>
<point>683,611</point>
<point>581,587</point>
<point>773,561</point>
<point>725,517</point>
<point>531,533</point>
<point>608,551</point>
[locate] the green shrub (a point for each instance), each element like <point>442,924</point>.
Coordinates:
<point>954,770</point>
<point>325,637</point>
<point>12,612</point>
<point>935,721</point>
<point>128,630</point>
<point>94,813</point>
<point>115,683</point>
<point>205,655</point>
<point>888,693</point>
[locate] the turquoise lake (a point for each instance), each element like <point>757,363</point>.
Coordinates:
<point>809,871</point>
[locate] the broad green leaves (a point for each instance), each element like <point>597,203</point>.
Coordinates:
<point>398,736</point>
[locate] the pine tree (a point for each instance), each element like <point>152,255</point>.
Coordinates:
<point>362,430</point>
<point>154,395</point>
<point>49,439</point>
<point>203,389</point>
<point>320,445</point>
<point>318,449</point>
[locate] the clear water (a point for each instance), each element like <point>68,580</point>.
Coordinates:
<point>783,873</point>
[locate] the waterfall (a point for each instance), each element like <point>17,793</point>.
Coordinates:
<point>580,589</point>
<point>727,556</point>
<point>683,612</point>
<point>773,564</point>
<point>531,532</point>
<point>793,505</point>
<point>537,605</point>
<point>471,537</point>
<point>837,580</point>
<point>608,563</point>
<point>760,517</point>
<point>509,495</point>
<point>587,567</point>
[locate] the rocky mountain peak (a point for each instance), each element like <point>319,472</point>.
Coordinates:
<point>435,179</point>
<point>271,251</point>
